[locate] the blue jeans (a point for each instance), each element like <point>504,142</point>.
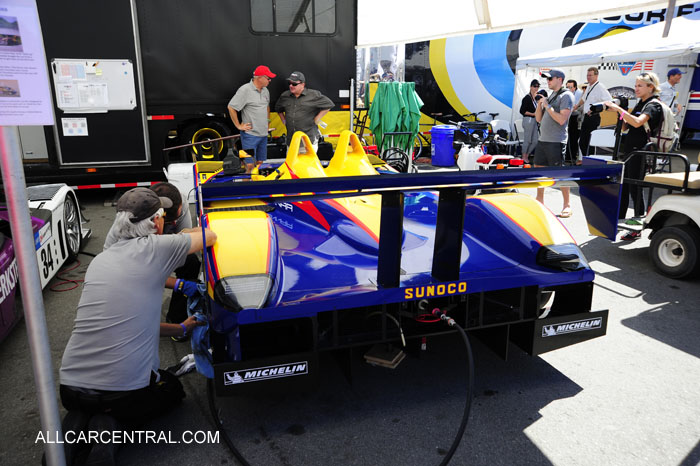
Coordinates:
<point>258,143</point>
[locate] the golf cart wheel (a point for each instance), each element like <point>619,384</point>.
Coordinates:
<point>71,227</point>
<point>674,250</point>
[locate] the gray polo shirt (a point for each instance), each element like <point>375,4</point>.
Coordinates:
<point>114,344</point>
<point>252,105</point>
<point>550,130</point>
<point>299,112</point>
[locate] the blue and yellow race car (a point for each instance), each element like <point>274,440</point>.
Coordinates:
<point>312,258</point>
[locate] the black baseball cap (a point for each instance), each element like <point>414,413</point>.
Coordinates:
<point>142,203</point>
<point>553,73</point>
<point>297,76</point>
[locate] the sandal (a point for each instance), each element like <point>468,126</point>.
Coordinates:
<point>566,212</point>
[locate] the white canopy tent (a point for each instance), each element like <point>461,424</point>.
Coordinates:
<point>387,22</point>
<point>680,47</point>
<point>640,44</point>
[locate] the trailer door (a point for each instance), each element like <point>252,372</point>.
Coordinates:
<point>93,56</point>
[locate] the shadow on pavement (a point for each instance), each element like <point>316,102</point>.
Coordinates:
<point>406,416</point>
<point>671,320</point>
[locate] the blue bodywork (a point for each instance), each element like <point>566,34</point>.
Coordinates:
<point>322,260</point>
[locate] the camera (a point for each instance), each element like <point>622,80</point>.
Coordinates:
<point>538,97</point>
<point>600,106</point>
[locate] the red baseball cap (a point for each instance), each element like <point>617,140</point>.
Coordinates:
<point>263,70</point>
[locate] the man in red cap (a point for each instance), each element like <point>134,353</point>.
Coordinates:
<point>252,100</point>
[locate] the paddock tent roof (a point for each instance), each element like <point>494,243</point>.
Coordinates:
<point>640,44</point>
<point>386,22</point>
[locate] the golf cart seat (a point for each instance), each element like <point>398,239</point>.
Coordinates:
<point>675,179</point>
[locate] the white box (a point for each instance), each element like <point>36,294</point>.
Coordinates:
<point>182,176</point>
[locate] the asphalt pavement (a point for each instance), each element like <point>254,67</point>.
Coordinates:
<point>631,397</point>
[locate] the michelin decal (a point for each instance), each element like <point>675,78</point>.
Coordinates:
<point>258,374</point>
<point>572,327</point>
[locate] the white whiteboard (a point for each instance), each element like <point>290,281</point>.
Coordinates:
<point>93,86</point>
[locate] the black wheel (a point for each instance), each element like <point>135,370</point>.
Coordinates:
<point>674,251</point>
<point>204,131</point>
<point>71,227</point>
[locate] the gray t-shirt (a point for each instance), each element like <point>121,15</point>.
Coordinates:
<point>252,105</point>
<point>550,130</point>
<point>114,344</point>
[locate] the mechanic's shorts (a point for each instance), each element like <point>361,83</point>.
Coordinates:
<point>550,154</point>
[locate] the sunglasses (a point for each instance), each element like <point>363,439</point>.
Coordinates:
<point>294,84</point>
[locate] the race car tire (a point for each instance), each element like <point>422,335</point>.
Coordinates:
<point>201,131</point>
<point>674,251</point>
<point>71,227</point>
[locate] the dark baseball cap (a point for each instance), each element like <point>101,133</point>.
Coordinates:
<point>297,76</point>
<point>674,71</point>
<point>553,73</point>
<point>535,82</point>
<point>142,203</point>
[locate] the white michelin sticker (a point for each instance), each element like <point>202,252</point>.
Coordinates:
<point>571,327</point>
<point>257,374</point>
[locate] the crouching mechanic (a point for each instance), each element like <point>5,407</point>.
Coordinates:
<point>177,219</point>
<point>110,368</point>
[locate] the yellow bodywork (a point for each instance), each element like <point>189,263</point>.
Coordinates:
<point>531,216</point>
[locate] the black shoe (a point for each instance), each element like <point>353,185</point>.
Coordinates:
<point>103,454</point>
<point>75,422</point>
<point>631,236</point>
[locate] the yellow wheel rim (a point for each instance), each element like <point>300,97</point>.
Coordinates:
<point>207,150</point>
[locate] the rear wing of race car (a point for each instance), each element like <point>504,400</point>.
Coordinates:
<point>599,189</point>
<point>503,307</point>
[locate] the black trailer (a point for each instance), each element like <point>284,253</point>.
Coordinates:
<point>131,77</point>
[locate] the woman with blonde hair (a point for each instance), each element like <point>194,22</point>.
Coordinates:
<point>648,110</point>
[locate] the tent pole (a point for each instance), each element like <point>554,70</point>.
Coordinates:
<point>669,17</point>
<point>32,300</point>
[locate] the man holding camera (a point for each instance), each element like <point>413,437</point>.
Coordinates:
<point>595,93</point>
<point>553,115</point>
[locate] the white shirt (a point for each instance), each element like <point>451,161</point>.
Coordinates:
<point>595,94</point>
<point>667,94</point>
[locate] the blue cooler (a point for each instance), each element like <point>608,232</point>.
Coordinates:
<point>441,151</point>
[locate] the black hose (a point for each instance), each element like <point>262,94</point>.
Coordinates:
<point>470,394</point>
<point>455,443</point>
<point>220,426</point>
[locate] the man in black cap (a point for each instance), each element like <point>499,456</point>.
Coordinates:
<point>301,109</point>
<point>177,219</point>
<point>110,368</point>
<point>553,115</point>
